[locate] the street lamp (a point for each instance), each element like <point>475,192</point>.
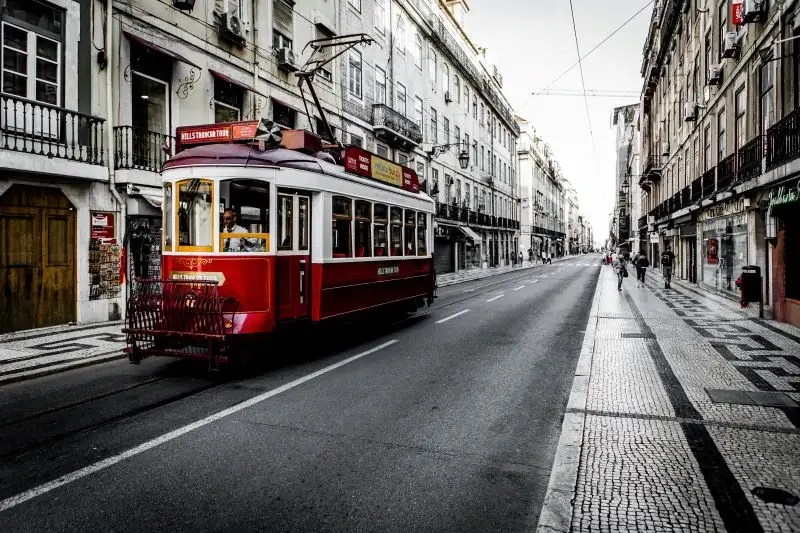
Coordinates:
<point>463,155</point>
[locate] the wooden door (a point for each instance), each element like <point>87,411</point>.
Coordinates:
<point>37,258</point>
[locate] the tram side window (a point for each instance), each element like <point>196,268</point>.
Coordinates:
<point>244,221</point>
<point>342,217</point>
<point>194,214</point>
<point>422,237</point>
<point>169,214</point>
<point>285,220</point>
<point>411,224</point>
<point>381,220</point>
<point>363,228</point>
<point>396,221</point>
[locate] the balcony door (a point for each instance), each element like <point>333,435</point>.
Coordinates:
<point>150,119</point>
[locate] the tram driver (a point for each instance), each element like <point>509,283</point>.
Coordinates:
<point>229,225</point>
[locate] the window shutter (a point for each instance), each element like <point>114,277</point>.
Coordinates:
<point>282,17</point>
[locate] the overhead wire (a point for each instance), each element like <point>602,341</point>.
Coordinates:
<point>580,67</point>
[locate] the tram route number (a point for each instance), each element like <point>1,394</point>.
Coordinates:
<point>384,271</point>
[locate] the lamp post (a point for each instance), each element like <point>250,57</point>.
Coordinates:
<point>463,155</point>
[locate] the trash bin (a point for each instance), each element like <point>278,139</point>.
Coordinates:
<point>751,283</point>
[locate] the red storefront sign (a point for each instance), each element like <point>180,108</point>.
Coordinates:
<point>369,165</point>
<point>737,18</point>
<point>102,225</point>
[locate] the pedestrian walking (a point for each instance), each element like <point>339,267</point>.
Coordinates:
<point>641,263</point>
<point>667,265</point>
<point>521,261</point>
<point>621,269</point>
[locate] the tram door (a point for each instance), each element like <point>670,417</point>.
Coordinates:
<point>293,265</point>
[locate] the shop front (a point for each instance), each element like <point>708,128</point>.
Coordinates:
<point>444,253</point>
<point>724,245</point>
<point>783,230</point>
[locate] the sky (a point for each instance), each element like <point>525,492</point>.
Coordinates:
<point>532,42</point>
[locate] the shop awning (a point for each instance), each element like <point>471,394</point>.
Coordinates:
<point>474,237</point>
<point>228,79</point>
<point>153,199</point>
<point>160,49</point>
<point>287,104</point>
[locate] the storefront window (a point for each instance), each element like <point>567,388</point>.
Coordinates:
<point>381,220</point>
<point>169,214</point>
<point>725,252</point>
<point>195,203</point>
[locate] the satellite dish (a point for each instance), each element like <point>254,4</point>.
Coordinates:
<point>269,132</point>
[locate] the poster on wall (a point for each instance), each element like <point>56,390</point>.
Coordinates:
<point>712,250</point>
<point>104,258</point>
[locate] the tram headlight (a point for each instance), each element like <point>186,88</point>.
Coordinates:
<point>228,324</point>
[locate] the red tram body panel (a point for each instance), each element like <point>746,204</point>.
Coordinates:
<point>255,239</point>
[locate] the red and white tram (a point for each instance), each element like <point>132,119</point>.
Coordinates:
<point>256,238</point>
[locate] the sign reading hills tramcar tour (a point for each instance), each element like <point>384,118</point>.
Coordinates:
<point>369,165</point>
<point>217,133</point>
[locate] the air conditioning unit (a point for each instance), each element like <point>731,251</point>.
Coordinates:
<point>730,47</point>
<point>753,10</point>
<point>715,74</point>
<point>447,97</point>
<point>231,26</point>
<point>690,112</point>
<point>286,59</point>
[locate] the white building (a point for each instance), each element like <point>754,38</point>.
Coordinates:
<point>624,228</point>
<point>422,84</point>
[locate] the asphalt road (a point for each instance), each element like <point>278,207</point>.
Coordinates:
<point>446,421</point>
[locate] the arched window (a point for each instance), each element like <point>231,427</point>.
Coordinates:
<point>445,77</point>
<point>457,89</point>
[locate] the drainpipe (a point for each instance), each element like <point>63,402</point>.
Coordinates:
<point>112,184</point>
<point>253,25</point>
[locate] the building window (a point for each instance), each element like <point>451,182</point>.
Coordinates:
<point>380,86</point>
<point>767,95</point>
<point>474,106</point>
<point>356,140</point>
<point>354,72</point>
<point>150,97</point>
<point>432,65</point>
<point>707,148</point>
<point>445,77</point>
<point>457,89</point>
<point>382,150</point>
<point>446,129</point>
<point>481,116</point>
<point>418,111</point>
<point>466,95</point>
<point>709,53</point>
<point>285,115</point>
<point>32,37</point>
<point>282,24</point>
<point>435,183</point>
<point>723,28</point>
<point>721,135</point>
<point>228,101</point>
<point>434,127</point>
<point>402,158</point>
<point>355,4</point>
<point>418,51</point>
<point>400,35</point>
<point>380,16</point>
<point>327,54</point>
<point>740,128</point>
<point>400,95</point>
<point>457,135</point>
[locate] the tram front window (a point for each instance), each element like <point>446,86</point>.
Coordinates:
<point>194,215</point>
<point>244,220</point>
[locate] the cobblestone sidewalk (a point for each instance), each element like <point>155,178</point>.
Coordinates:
<point>33,353</point>
<point>683,417</point>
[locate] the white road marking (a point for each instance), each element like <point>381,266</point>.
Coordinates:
<point>35,492</point>
<point>520,287</point>
<point>470,290</point>
<point>451,317</point>
<point>495,298</point>
<point>535,281</point>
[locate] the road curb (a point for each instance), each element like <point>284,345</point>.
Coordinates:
<point>491,275</point>
<point>556,512</point>
<point>62,367</point>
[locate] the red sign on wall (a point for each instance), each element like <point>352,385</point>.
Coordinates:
<point>369,165</point>
<point>216,133</point>
<point>737,19</point>
<point>102,225</point>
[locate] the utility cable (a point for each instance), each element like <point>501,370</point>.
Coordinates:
<point>580,67</point>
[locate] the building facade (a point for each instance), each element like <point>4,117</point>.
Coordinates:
<point>624,233</point>
<point>543,191</point>
<point>719,144</point>
<point>79,171</point>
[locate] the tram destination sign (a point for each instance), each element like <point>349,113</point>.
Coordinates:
<point>369,165</point>
<point>216,133</point>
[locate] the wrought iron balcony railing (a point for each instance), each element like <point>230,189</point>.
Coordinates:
<point>141,150</point>
<point>783,140</point>
<point>726,172</point>
<point>387,118</point>
<point>697,189</point>
<point>750,156</point>
<point>686,196</point>
<point>43,129</point>
<point>709,181</point>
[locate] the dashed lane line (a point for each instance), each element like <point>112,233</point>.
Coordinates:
<point>519,288</point>
<point>451,317</point>
<point>40,490</point>
<point>490,300</point>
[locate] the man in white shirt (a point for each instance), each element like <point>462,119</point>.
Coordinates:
<point>229,225</point>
